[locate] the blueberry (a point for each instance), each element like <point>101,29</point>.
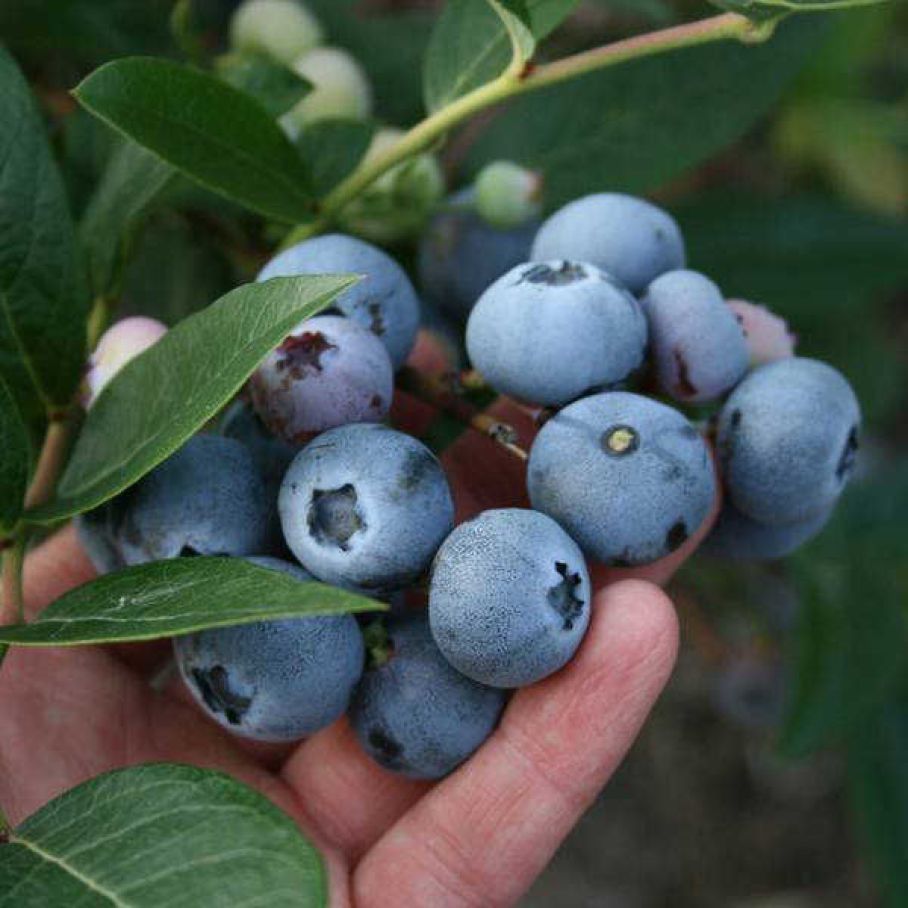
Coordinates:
<point>274,680</point>
<point>272,456</point>
<point>549,332</point>
<point>509,600</point>
<point>738,538</point>
<point>416,715</point>
<point>329,372</point>
<point>787,440</point>
<point>365,507</point>
<point>206,499</point>
<point>697,343</point>
<point>383,301</point>
<point>460,255</point>
<point>623,235</point>
<point>627,477</point>
<point>767,335</point>
<point>96,533</point>
<point>340,89</point>
<point>281,29</point>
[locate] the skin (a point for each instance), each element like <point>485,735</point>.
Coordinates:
<point>480,837</point>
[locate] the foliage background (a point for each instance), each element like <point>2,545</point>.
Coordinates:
<point>775,771</point>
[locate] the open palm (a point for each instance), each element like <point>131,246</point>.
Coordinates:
<point>479,837</point>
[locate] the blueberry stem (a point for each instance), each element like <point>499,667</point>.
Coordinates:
<point>442,392</point>
<point>13,608</point>
<point>518,80</point>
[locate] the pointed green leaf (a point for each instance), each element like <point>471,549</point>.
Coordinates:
<point>14,460</point>
<point>133,181</point>
<point>475,41</point>
<point>160,834</point>
<point>179,596</point>
<point>165,395</point>
<point>761,10</point>
<point>211,131</point>
<point>332,149</point>
<point>275,86</point>
<point>43,304</point>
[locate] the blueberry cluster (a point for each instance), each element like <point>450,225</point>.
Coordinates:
<point>579,315</point>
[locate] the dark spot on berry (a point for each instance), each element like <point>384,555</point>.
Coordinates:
<point>376,320</point>
<point>676,536</point>
<point>386,748</point>
<point>684,386</point>
<point>621,563</point>
<point>735,419</point>
<point>214,686</point>
<point>849,456</point>
<point>334,517</point>
<point>619,441</point>
<point>188,552</point>
<point>563,596</point>
<point>566,273</point>
<point>415,468</point>
<point>303,353</point>
<point>375,401</point>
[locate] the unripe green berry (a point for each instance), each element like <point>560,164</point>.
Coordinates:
<point>508,195</point>
<point>340,88</point>
<point>282,29</point>
<point>400,201</point>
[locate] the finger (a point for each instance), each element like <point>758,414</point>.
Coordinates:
<point>351,798</point>
<point>58,565</point>
<point>558,743</point>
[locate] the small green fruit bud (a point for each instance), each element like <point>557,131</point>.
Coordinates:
<point>508,195</point>
<point>282,29</point>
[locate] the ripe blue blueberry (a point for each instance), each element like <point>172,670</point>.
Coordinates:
<point>787,440</point>
<point>272,456</point>
<point>698,345</point>
<point>548,332</point>
<point>628,237</point>
<point>627,477</point>
<point>274,680</point>
<point>206,499</point>
<point>461,255</point>
<point>738,538</point>
<point>329,372</point>
<point>383,301</point>
<point>96,533</point>
<point>509,600</point>
<point>365,507</point>
<point>768,336</point>
<point>416,715</point>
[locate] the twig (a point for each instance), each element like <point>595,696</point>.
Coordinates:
<point>443,392</point>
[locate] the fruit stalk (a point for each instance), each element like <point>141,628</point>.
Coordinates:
<point>13,607</point>
<point>441,391</point>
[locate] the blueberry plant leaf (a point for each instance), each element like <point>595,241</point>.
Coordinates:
<point>212,132</point>
<point>178,596</point>
<point>132,182</point>
<point>475,41</point>
<point>276,87</point>
<point>161,834</point>
<point>166,394</point>
<point>15,454</point>
<point>638,125</point>
<point>43,303</point>
<point>762,10</point>
<point>333,148</point>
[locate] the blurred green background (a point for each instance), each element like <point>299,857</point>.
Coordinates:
<point>774,772</point>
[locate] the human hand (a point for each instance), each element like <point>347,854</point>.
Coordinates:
<point>479,837</point>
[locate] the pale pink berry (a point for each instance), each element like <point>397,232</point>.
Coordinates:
<point>119,344</point>
<point>767,334</point>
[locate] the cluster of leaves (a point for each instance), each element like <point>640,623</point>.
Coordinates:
<point>193,132</point>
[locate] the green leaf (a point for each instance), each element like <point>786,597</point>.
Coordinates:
<point>166,394</point>
<point>332,149</point>
<point>178,596</point>
<point>852,635</point>
<point>878,783</point>
<point>761,10</point>
<point>133,181</point>
<point>161,834</point>
<point>516,20</point>
<point>15,454</point>
<point>211,131</point>
<point>43,306</point>
<point>475,41</point>
<point>636,126</point>
<point>276,87</point>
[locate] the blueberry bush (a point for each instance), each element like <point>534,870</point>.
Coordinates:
<point>222,227</point>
